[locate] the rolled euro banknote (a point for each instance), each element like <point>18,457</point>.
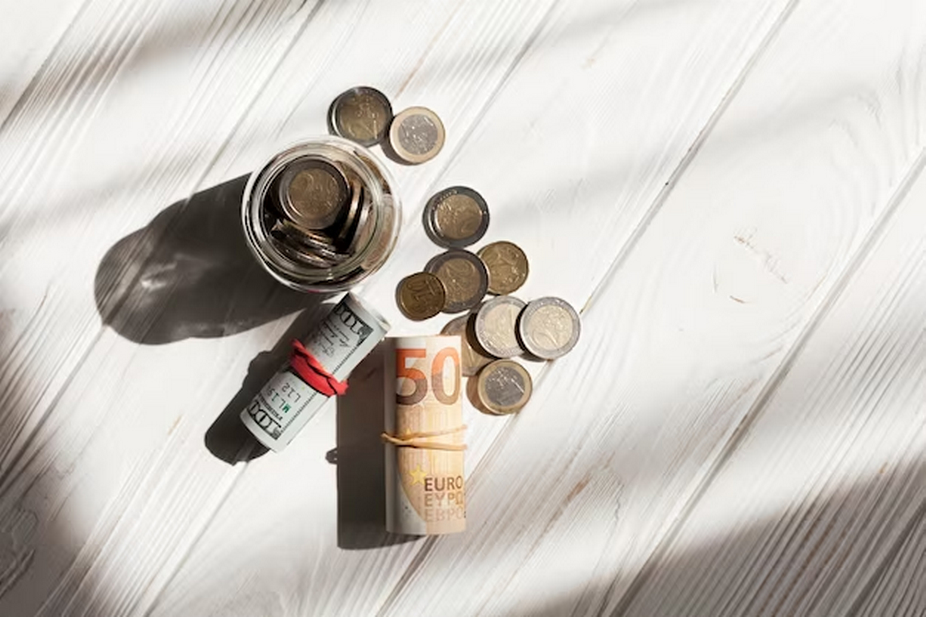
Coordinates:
<point>425,493</point>
<point>339,343</point>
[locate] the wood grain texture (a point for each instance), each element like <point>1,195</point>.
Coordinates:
<point>761,227</point>
<point>830,477</point>
<point>899,589</point>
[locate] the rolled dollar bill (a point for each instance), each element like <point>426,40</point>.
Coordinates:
<point>345,337</point>
<point>425,493</point>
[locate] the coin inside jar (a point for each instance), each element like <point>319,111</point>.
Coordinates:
<point>549,328</point>
<point>416,135</point>
<point>496,326</point>
<point>464,277</point>
<point>312,193</point>
<point>471,357</point>
<point>456,217</point>
<point>420,296</point>
<point>362,115</point>
<point>504,387</point>
<point>507,266</point>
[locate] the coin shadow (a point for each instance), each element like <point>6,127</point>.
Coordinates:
<point>361,460</point>
<point>227,438</point>
<point>189,273</point>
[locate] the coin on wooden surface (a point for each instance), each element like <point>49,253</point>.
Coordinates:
<point>420,296</point>
<point>361,114</point>
<point>549,328</point>
<point>496,326</point>
<point>464,277</point>
<point>312,193</point>
<point>471,356</point>
<point>504,387</point>
<point>416,135</point>
<point>507,266</point>
<point>456,217</point>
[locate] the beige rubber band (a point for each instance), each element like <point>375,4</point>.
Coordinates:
<point>412,440</point>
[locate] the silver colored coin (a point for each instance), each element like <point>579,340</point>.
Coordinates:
<point>313,193</point>
<point>504,387</point>
<point>362,115</point>
<point>496,326</point>
<point>456,217</point>
<point>416,135</point>
<point>464,276</point>
<point>549,328</point>
<point>472,358</point>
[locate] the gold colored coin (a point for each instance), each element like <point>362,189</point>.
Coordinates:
<point>456,217</point>
<point>507,266</point>
<point>313,193</point>
<point>362,115</point>
<point>420,296</point>
<point>464,277</point>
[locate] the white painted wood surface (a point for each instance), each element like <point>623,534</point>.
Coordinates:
<point>730,190</point>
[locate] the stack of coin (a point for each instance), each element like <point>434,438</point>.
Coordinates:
<point>317,214</point>
<point>364,115</point>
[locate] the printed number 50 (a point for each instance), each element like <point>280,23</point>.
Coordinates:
<point>420,380</point>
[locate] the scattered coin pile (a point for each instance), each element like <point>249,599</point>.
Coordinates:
<point>364,115</point>
<point>494,331</point>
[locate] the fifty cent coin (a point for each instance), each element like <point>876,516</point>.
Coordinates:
<point>472,358</point>
<point>507,265</point>
<point>420,296</point>
<point>496,326</point>
<point>504,387</point>
<point>456,217</point>
<point>362,115</point>
<point>312,193</point>
<point>464,277</point>
<point>549,328</point>
<point>416,135</point>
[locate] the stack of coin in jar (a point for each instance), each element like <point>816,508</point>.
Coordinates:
<point>495,331</point>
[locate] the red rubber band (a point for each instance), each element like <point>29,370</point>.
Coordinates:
<point>311,371</point>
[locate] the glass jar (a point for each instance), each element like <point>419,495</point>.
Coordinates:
<point>380,208</point>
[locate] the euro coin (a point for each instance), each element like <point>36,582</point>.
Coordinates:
<point>416,135</point>
<point>507,266</point>
<point>464,277</point>
<point>549,328</point>
<point>361,115</point>
<point>472,357</point>
<point>504,387</point>
<point>496,326</point>
<point>456,217</point>
<point>313,193</point>
<point>420,296</point>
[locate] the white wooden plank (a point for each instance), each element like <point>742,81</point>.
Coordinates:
<point>122,119</point>
<point>571,501</point>
<point>102,467</point>
<point>572,226</point>
<point>899,590</point>
<point>830,476</point>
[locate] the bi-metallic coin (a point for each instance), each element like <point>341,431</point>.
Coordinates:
<point>507,266</point>
<point>420,296</point>
<point>313,193</point>
<point>472,357</point>
<point>362,115</point>
<point>496,326</point>
<point>416,135</point>
<point>464,277</point>
<point>549,328</point>
<point>504,387</point>
<point>456,217</point>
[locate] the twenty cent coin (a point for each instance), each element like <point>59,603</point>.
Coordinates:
<point>456,217</point>
<point>312,193</point>
<point>507,265</point>
<point>496,326</point>
<point>472,358</point>
<point>420,296</point>
<point>549,328</point>
<point>361,115</point>
<point>464,277</point>
<point>416,135</point>
<point>504,387</point>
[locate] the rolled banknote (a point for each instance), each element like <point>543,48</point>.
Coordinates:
<point>345,337</point>
<point>425,493</point>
